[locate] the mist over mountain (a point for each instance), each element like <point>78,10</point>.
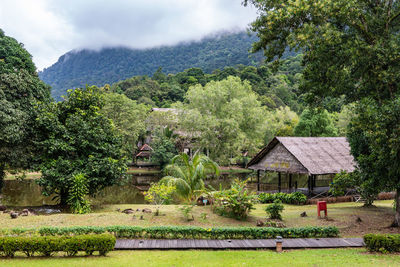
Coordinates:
<point>109,65</point>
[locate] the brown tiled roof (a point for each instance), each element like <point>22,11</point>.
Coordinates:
<point>319,155</point>
<point>145,147</point>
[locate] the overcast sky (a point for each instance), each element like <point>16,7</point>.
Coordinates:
<point>50,28</point>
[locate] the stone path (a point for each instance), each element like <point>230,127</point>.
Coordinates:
<point>163,244</point>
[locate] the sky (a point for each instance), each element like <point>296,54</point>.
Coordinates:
<point>50,28</point>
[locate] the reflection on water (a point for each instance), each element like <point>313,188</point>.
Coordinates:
<point>28,193</point>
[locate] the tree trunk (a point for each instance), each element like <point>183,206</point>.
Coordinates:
<point>396,222</point>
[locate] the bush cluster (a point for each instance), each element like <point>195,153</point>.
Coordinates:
<point>48,245</point>
<point>382,242</point>
<point>235,202</point>
<point>296,198</point>
<point>275,209</point>
<point>182,232</point>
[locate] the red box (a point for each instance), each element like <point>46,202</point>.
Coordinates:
<point>321,206</point>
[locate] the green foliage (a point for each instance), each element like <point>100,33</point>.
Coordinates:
<point>183,232</point>
<point>344,181</point>
<point>163,145</point>
<point>187,212</point>
<point>48,245</point>
<point>296,198</point>
<point>225,117</point>
<point>344,58</point>
<point>128,118</point>
<point>77,195</point>
<point>280,122</point>
<point>77,138</point>
<point>187,174</point>
<point>314,122</point>
<point>374,138</point>
<point>236,202</point>
<point>275,209</point>
<point>159,194</point>
<point>20,91</point>
<point>382,242</point>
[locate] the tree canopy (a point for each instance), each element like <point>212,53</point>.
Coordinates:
<point>351,49</point>
<point>20,91</point>
<point>78,139</point>
<point>225,118</point>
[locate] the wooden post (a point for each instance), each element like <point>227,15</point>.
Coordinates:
<point>279,182</point>
<point>309,184</point>
<point>290,183</point>
<point>258,180</point>
<point>312,183</point>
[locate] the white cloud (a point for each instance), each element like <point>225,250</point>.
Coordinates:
<point>50,28</point>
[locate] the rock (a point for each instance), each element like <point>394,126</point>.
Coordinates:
<point>13,215</point>
<point>358,220</point>
<point>137,209</point>
<point>260,223</point>
<point>141,217</point>
<point>24,212</point>
<point>6,211</point>
<point>303,214</point>
<point>118,210</point>
<point>147,210</point>
<point>128,211</point>
<point>3,208</point>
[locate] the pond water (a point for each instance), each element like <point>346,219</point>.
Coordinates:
<point>28,193</point>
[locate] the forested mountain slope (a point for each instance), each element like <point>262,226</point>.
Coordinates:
<point>77,68</point>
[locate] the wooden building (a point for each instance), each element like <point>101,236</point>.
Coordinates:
<point>302,163</point>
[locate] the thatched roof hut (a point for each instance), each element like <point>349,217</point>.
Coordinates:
<point>311,156</point>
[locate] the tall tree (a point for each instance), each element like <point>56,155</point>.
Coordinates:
<point>315,122</point>
<point>128,118</point>
<point>20,91</point>
<point>78,139</point>
<point>225,118</point>
<point>351,48</point>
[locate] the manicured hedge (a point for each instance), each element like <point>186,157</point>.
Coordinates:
<point>182,232</point>
<point>48,245</point>
<point>382,242</point>
<point>297,198</point>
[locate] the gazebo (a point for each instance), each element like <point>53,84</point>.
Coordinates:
<point>304,161</point>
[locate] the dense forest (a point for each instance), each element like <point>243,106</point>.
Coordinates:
<point>274,88</point>
<point>109,65</point>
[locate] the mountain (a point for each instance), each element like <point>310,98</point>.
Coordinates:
<point>109,65</point>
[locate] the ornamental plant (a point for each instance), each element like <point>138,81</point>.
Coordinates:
<point>77,195</point>
<point>159,194</point>
<point>275,209</point>
<point>235,202</point>
<point>188,175</point>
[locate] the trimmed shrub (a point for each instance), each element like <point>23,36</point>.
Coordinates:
<point>48,245</point>
<point>382,242</point>
<point>186,232</point>
<point>296,198</point>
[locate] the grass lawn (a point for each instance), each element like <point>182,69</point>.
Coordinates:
<point>343,215</point>
<point>318,257</point>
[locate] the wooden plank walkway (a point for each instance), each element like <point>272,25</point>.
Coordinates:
<point>164,244</point>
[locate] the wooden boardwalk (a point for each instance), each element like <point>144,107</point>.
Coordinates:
<point>164,244</point>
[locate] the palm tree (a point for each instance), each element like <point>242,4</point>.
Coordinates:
<point>187,174</point>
